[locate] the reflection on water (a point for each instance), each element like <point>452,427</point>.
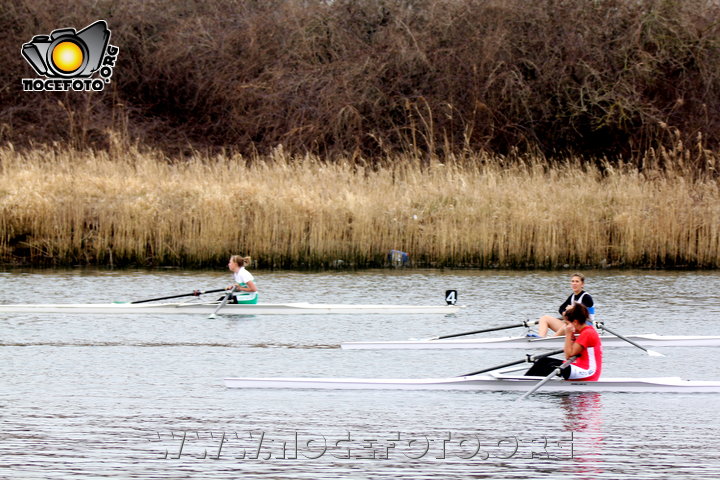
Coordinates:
<point>88,396</point>
<point>584,417</point>
<point>583,411</point>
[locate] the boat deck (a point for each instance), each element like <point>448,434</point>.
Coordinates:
<point>608,341</point>
<point>486,382</point>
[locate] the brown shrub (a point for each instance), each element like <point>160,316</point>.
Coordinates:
<point>601,77</point>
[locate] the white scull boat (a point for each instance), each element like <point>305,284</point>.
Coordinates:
<point>487,382</point>
<point>207,308</point>
<point>647,340</point>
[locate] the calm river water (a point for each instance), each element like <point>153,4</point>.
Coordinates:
<point>93,396</point>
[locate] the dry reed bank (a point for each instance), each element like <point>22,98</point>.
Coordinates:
<point>84,207</point>
<point>373,78</point>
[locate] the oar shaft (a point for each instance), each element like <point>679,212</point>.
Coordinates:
<point>624,338</point>
<point>509,364</point>
<point>485,330</point>
<point>224,301</point>
<point>193,294</point>
<point>528,359</point>
<point>555,372</point>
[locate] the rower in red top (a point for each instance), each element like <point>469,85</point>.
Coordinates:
<point>581,340</point>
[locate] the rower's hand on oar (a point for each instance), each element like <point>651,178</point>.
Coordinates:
<point>556,372</point>
<point>224,300</point>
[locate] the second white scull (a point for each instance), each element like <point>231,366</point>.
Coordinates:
<point>648,340</point>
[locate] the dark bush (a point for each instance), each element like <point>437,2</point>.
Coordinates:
<point>343,77</point>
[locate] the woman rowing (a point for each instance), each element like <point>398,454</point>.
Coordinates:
<point>556,324</point>
<point>586,346</point>
<point>244,282</point>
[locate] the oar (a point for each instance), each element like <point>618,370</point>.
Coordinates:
<point>555,372</point>
<point>526,323</point>
<point>224,301</point>
<point>529,359</point>
<point>196,293</point>
<point>652,353</point>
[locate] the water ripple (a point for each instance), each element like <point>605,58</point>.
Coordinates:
<point>88,396</point>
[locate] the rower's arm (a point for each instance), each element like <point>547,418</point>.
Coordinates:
<point>249,288</point>
<point>564,306</point>
<point>571,348</point>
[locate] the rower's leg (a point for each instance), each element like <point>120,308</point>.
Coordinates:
<point>560,331</point>
<point>543,367</point>
<point>549,322</point>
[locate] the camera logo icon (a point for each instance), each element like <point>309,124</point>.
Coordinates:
<point>66,57</point>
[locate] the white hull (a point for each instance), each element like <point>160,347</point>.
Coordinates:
<point>648,340</point>
<point>488,382</point>
<point>229,309</point>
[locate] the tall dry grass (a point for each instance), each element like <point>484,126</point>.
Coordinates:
<point>84,207</point>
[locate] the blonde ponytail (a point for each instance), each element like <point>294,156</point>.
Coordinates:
<point>241,261</point>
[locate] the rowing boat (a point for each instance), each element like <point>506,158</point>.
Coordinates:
<point>496,382</point>
<point>650,340</point>
<point>206,308</point>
